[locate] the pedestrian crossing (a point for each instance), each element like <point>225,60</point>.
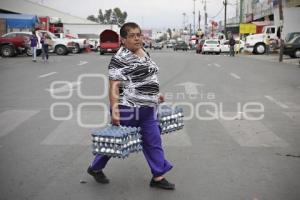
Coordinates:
<point>250,133</point>
<point>246,133</point>
<point>11,119</point>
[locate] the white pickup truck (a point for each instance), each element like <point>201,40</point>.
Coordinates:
<point>60,46</point>
<point>80,43</point>
<point>255,43</point>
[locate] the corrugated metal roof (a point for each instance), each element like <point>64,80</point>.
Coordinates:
<point>31,8</point>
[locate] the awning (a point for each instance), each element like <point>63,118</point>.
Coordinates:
<point>263,23</point>
<point>19,21</point>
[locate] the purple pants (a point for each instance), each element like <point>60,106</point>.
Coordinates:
<point>144,117</point>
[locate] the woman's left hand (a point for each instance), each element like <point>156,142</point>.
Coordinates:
<point>161,98</point>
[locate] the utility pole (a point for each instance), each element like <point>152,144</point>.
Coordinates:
<point>199,20</point>
<point>281,27</point>
<point>225,16</point>
<point>241,10</point>
<point>205,16</point>
<point>184,14</point>
<point>194,26</point>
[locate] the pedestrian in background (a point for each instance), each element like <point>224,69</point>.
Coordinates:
<point>45,46</point>
<point>33,44</point>
<point>231,46</point>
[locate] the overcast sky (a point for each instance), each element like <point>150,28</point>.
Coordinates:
<point>148,13</point>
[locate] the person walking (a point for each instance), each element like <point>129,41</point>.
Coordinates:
<point>134,97</point>
<point>267,42</point>
<point>231,46</point>
<point>45,47</point>
<point>33,44</point>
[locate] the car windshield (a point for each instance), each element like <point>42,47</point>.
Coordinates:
<point>294,39</point>
<point>211,42</point>
<point>291,36</point>
<point>50,34</point>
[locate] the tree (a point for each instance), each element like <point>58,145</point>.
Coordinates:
<point>170,32</point>
<point>93,18</point>
<point>110,16</point>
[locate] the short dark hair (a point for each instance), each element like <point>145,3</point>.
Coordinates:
<point>126,27</point>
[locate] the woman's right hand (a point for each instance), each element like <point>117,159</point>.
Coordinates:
<point>115,117</point>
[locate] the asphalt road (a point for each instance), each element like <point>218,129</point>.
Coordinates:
<point>241,139</point>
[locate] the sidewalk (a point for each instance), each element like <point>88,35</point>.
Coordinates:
<point>274,57</point>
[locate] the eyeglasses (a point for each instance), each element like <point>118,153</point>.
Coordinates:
<point>133,35</point>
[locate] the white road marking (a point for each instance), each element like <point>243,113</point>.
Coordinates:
<point>82,63</point>
<point>217,65</point>
<point>190,87</point>
<point>49,74</point>
<point>64,88</point>
<point>235,76</point>
<point>11,119</point>
<point>70,133</point>
<point>251,133</point>
<point>209,64</point>
<point>272,99</point>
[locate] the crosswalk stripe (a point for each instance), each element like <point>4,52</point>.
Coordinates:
<point>251,133</point>
<point>71,133</point>
<point>11,119</point>
<point>68,133</point>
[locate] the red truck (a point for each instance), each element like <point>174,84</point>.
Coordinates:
<point>109,42</point>
<point>54,25</point>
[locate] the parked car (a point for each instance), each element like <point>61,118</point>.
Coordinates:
<point>109,42</point>
<point>181,45</point>
<point>157,46</point>
<point>292,48</point>
<point>60,46</point>
<point>15,43</point>
<point>169,45</point>
<point>211,46</point>
<point>92,39</point>
<point>80,43</point>
<point>291,35</point>
<point>199,46</point>
<point>238,47</point>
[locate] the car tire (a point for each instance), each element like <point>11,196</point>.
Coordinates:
<point>297,53</point>
<point>259,48</point>
<point>76,49</point>
<point>28,52</point>
<point>7,51</point>
<point>61,50</point>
